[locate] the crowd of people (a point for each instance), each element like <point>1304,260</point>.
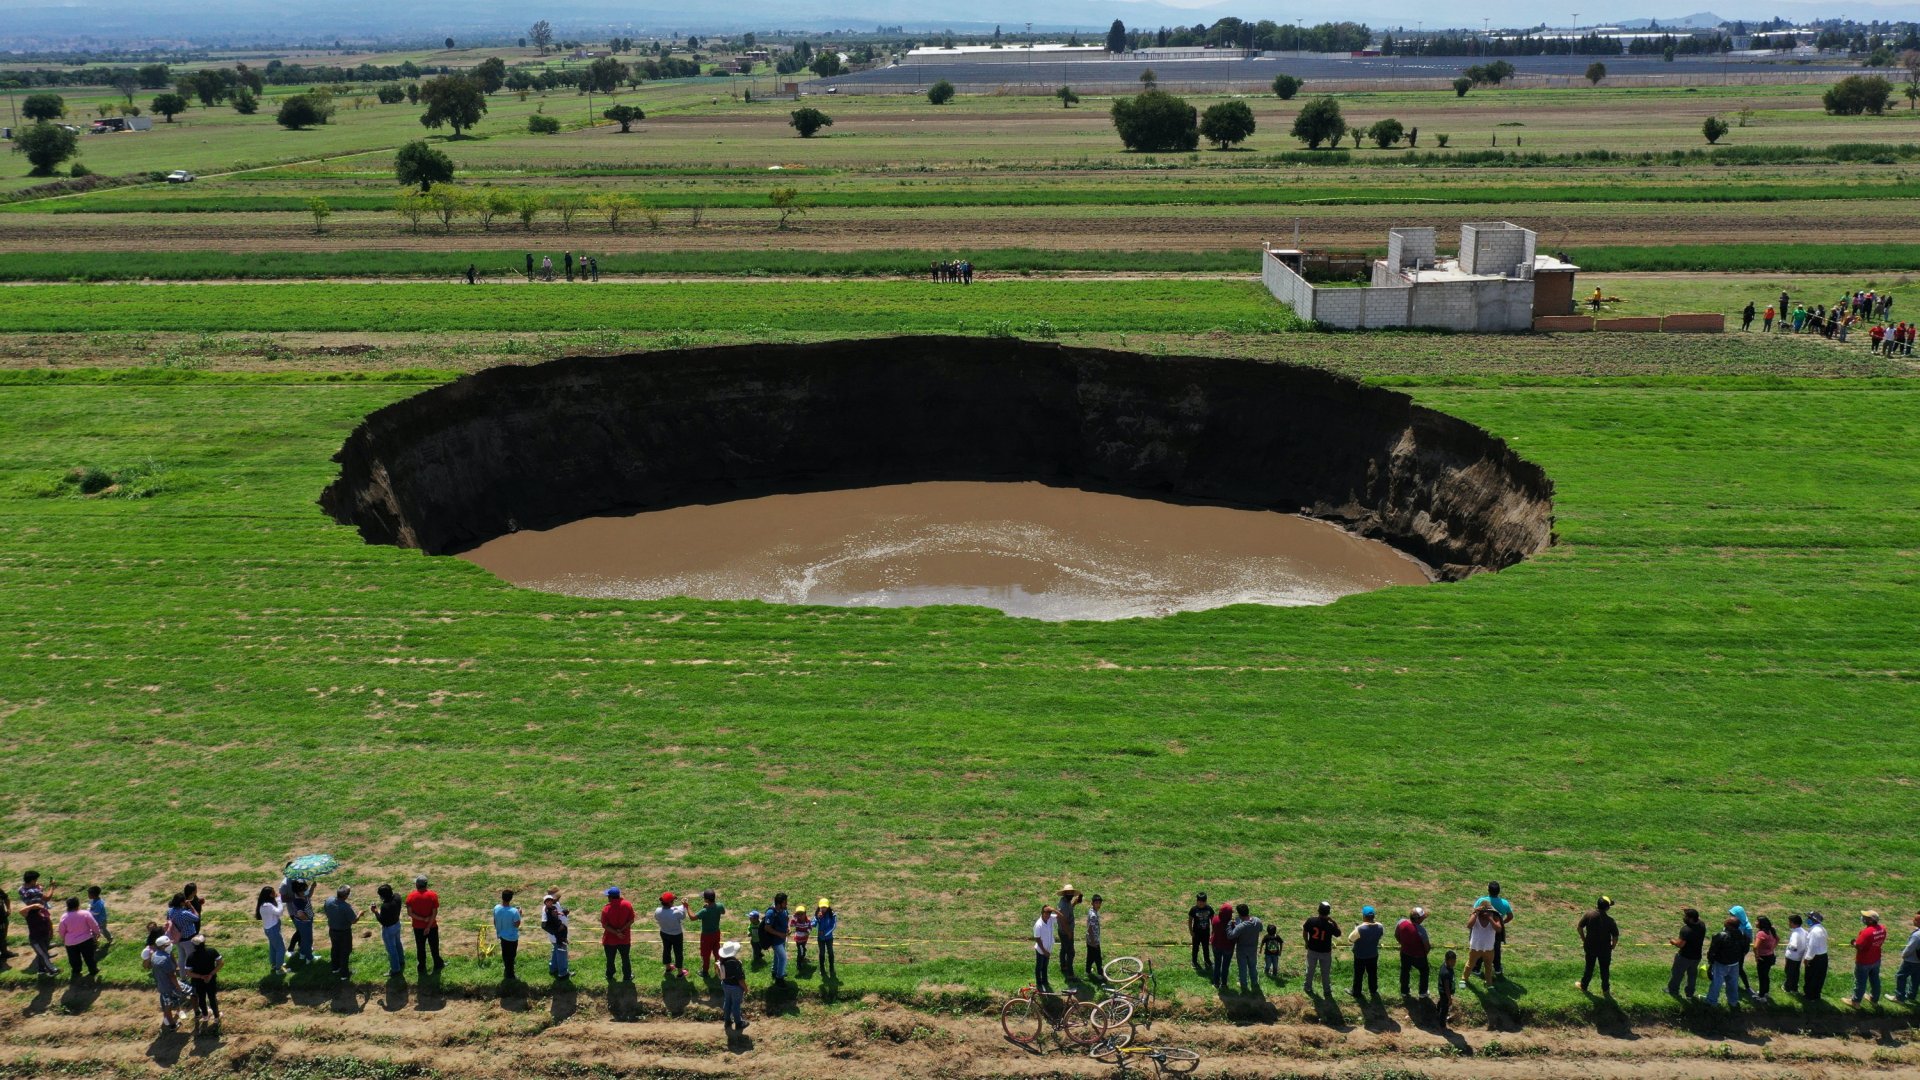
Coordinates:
<point>1836,322</point>
<point>587,266</point>
<point>957,272</point>
<point>1228,942</point>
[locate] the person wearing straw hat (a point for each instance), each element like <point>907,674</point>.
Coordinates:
<point>1069,896</point>
<point>733,987</point>
<point>1866,957</point>
<point>825,922</point>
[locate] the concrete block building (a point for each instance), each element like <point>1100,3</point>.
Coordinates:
<point>1497,283</point>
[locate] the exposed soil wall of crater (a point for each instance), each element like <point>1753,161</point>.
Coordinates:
<point>534,447</point>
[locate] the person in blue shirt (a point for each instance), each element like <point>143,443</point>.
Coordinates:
<point>824,924</point>
<point>506,927</point>
<point>1505,911</point>
<point>775,924</point>
<point>98,909</point>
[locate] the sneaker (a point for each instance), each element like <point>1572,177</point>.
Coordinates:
<point>1580,986</point>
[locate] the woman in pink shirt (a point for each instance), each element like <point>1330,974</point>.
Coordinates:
<point>79,932</point>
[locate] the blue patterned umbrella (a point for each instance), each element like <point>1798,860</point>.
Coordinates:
<point>310,867</point>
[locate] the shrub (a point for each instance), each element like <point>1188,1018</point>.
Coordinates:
<point>1155,121</point>
<point>1319,121</point>
<point>1713,129</point>
<point>1285,86</point>
<point>79,170</point>
<point>541,124</point>
<point>808,120</point>
<point>1858,94</point>
<point>1227,123</point>
<point>244,102</point>
<point>301,111</point>
<point>1068,99</point>
<point>940,93</point>
<point>1461,85</point>
<point>1595,72</point>
<point>1386,133</point>
<point>1441,140</point>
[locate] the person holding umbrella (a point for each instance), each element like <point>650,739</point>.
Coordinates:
<point>301,874</point>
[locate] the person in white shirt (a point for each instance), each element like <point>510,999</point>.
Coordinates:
<point>1816,955</point>
<point>269,909</point>
<point>1796,951</point>
<point>1906,984</point>
<point>1044,929</point>
<point>672,917</point>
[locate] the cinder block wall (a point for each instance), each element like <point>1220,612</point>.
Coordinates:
<point>1494,248</point>
<point>1405,246</point>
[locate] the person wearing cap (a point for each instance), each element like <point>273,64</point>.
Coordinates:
<point>1813,980</point>
<point>159,959</point>
<point>1199,918</point>
<point>777,923</point>
<point>1483,934</point>
<point>1725,954</point>
<point>553,920</point>
<point>1599,935</point>
<point>1365,940</point>
<point>1096,963</point>
<point>1044,929</point>
<point>203,981</point>
<point>671,916</point>
<point>1317,936</point>
<point>1504,909</point>
<point>733,986</point>
<point>1069,898</point>
<point>506,927</point>
<point>1686,955</point>
<point>1246,947</point>
<point>423,912</point>
<point>825,922</point>
<point>616,933</point>
<point>709,916</point>
<point>1906,982</point>
<point>341,915</point>
<point>1867,945</point>
<point>1411,935</point>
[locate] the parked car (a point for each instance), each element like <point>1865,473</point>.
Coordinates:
<point>179,176</point>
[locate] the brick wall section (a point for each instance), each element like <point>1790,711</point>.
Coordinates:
<point>1694,324</point>
<point>1646,324</point>
<point>1564,324</point>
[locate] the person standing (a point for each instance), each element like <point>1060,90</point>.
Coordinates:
<point>825,922</point>
<point>183,924</point>
<point>1686,956</point>
<point>1599,936</point>
<point>1096,964</point>
<point>1044,928</point>
<point>423,911</point>
<point>1906,982</point>
<point>97,907</point>
<point>1246,947</point>
<point>1199,916</point>
<point>1317,936</point>
<point>203,981</point>
<point>1766,320</point>
<point>1765,945</point>
<point>1070,898</point>
<point>1724,956</point>
<point>1483,935</point>
<point>1815,979</point>
<point>300,912</point>
<point>671,917</point>
<point>78,933</point>
<point>709,917</point>
<point>529,267</point>
<point>1365,940</point>
<point>553,919</point>
<point>1797,941</point>
<point>1220,931</point>
<point>506,927</point>
<point>159,959</point>
<point>341,915</point>
<point>777,924</point>
<point>593,263</point>
<point>473,273</point>
<point>733,987</point>
<point>569,256</point>
<point>1746,316</point>
<point>268,909</point>
<point>1415,945</point>
<point>1504,910</point>
<point>546,268</point>
<point>39,918</point>
<point>387,914</point>
<point>1867,945</point>
<point>1270,951</point>
<point>616,933</point>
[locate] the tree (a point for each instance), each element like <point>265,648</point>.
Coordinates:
<point>606,74</point>
<point>449,43</point>
<point>624,115</point>
<point>1148,80</point>
<point>1595,72</point>
<point>566,206</point>
<point>1227,123</point>
<point>413,93</point>
<point>940,93</point>
<point>542,35</point>
<point>153,76</point>
<point>447,202</point>
<point>1713,129</point>
<point>1285,86</point>
<point>1386,133</point>
<point>301,111</point>
<point>418,163</point>
<point>527,206</point>
<point>453,100</point>
<point>125,84</point>
<point>1117,37</point>
<point>169,105</point>
<point>1068,99</point>
<point>1155,121</point>
<point>808,120</point>
<point>491,74</point>
<point>391,94</point>
<point>616,205</point>
<point>46,146</point>
<point>489,204</point>
<point>542,124</point>
<point>786,202</point>
<point>1319,121</point>
<point>1858,94</point>
<point>321,212</point>
<point>1461,85</point>
<point>827,64</point>
<point>244,102</point>
<point>207,85</point>
<point>43,107</point>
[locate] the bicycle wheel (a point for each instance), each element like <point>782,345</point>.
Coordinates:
<point>1114,1012</point>
<point>1020,1019</point>
<point>1176,1060</point>
<point>1122,968</point>
<point>1081,1024</point>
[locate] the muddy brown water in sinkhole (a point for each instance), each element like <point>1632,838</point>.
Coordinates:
<point>1025,548</point>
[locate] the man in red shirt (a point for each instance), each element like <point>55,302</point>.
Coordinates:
<point>1414,947</point>
<point>423,910</point>
<point>616,933</point>
<point>1866,956</point>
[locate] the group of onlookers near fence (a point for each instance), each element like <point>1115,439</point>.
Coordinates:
<point>1885,337</point>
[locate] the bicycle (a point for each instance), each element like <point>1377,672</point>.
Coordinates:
<point>1030,1015</point>
<point>1166,1059</point>
<point>1129,991</point>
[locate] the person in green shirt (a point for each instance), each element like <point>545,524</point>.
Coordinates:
<point>709,917</point>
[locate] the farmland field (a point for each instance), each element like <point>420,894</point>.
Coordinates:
<point>1702,694</point>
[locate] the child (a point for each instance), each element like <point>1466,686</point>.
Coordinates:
<point>98,908</point>
<point>802,923</point>
<point>1270,947</point>
<point>1446,983</point>
<point>754,937</point>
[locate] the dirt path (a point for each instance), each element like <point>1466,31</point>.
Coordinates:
<point>60,1028</point>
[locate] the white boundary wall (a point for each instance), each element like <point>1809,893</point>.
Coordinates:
<point>1488,305</point>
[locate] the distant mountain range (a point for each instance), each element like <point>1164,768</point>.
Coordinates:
<point>73,23</point>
